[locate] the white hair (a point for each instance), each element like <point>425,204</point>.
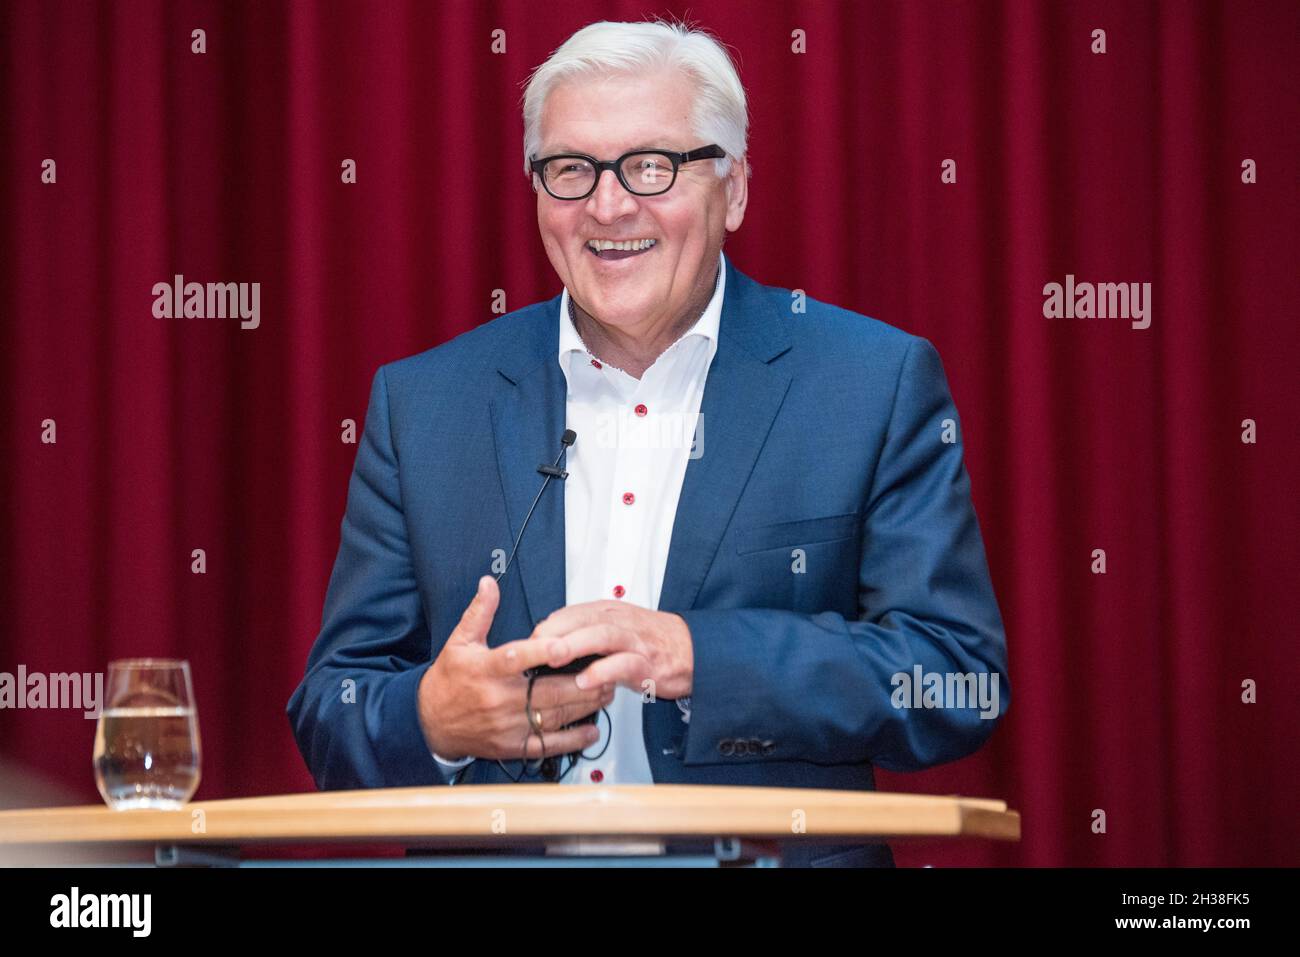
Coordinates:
<point>719,115</point>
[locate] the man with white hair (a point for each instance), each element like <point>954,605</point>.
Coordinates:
<point>759,527</point>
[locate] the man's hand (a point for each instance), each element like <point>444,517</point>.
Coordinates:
<point>639,645</point>
<point>472,698</point>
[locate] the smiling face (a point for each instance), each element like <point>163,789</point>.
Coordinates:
<point>642,295</point>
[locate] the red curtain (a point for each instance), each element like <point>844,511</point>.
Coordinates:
<point>1079,434</point>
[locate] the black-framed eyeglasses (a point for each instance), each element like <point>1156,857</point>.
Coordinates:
<point>642,172</point>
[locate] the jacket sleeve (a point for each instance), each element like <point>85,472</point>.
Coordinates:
<point>354,715</point>
<point>825,689</point>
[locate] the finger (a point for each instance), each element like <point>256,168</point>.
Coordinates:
<point>554,691</point>
<point>555,719</point>
<point>515,657</point>
<point>626,668</point>
<point>476,620</point>
<point>564,620</point>
<point>560,742</point>
<point>601,638</point>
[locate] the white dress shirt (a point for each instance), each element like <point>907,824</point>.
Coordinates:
<point>620,500</point>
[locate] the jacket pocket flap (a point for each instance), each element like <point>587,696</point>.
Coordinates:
<point>795,534</point>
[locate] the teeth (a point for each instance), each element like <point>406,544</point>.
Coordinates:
<point>601,244</point>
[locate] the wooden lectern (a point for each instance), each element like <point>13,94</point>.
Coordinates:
<point>617,825</point>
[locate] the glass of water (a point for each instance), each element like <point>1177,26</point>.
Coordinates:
<point>147,739</point>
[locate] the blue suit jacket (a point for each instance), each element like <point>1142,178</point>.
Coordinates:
<point>823,431</point>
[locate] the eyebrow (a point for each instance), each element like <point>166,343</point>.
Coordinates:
<point>565,148</point>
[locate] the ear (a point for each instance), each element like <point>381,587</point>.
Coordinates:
<point>737,187</point>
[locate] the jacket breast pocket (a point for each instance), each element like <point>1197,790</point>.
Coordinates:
<point>790,535</point>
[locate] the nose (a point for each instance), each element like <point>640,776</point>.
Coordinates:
<point>610,200</point>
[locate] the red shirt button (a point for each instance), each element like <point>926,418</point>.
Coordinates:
<point>618,591</point>
<point>596,363</point>
<point>597,776</point>
<point>641,410</point>
<point>628,498</point>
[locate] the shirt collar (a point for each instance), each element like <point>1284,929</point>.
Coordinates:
<point>707,325</point>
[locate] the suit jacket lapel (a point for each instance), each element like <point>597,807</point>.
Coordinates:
<point>528,418</point>
<point>742,395</point>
